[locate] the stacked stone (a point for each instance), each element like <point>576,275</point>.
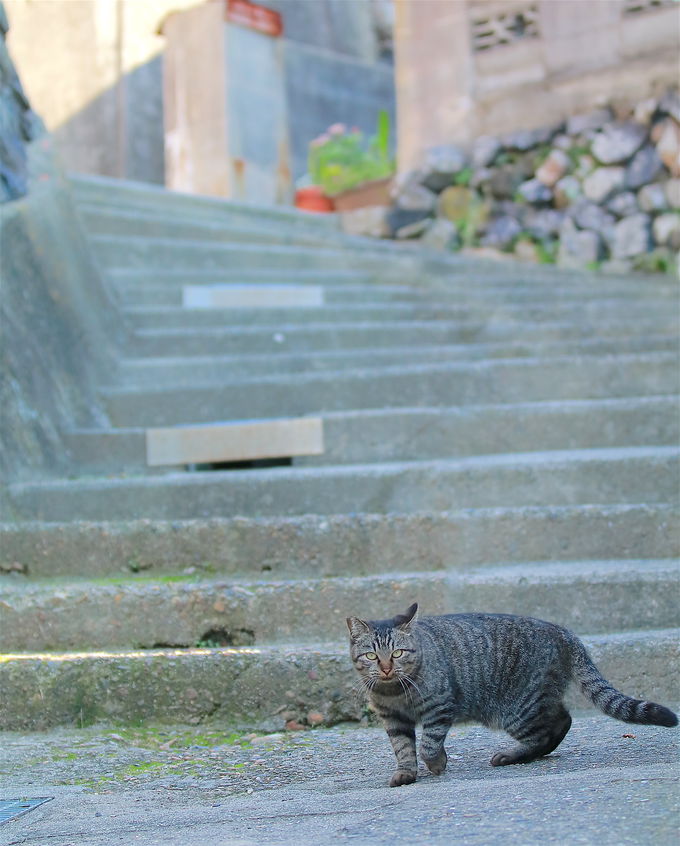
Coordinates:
<point>18,124</point>
<point>601,189</point>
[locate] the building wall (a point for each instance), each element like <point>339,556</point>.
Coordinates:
<point>106,112</point>
<point>242,109</point>
<point>466,68</point>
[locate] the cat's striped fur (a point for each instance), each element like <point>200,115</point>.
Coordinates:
<point>503,671</point>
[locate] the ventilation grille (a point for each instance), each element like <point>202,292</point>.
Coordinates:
<point>633,7</point>
<point>495,30</point>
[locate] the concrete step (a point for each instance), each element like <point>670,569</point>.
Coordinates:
<point>174,278</point>
<point>405,434</point>
<point>227,226</point>
<point>195,255</point>
<point>149,223</point>
<point>175,371</point>
<point>455,283</point>
<point>318,546</point>
<point>284,337</point>
<point>141,613</point>
<point>431,385</point>
<point>622,475</point>
<point>142,292</point>
<point>159,317</point>
<point>255,685</point>
<point>162,290</point>
<point>128,197</point>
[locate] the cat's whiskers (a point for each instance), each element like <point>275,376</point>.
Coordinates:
<point>363,686</point>
<point>409,686</point>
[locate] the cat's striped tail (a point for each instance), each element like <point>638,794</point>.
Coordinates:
<point>610,700</point>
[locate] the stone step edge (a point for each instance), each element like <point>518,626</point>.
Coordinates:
<point>321,306</point>
<point>270,330</point>
<point>320,544</point>
<point>354,359</point>
<point>561,477</point>
<point>255,686</point>
<point>647,344</point>
<point>362,249</point>
<point>434,278</point>
<point>126,447</point>
<point>361,374</point>
<point>464,412</point>
<point>133,613</point>
<point>233,227</point>
<point>339,284</point>
<point>83,186</point>
<point>26,591</point>
<point>539,458</point>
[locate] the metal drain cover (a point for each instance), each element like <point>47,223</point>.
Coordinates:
<point>10,809</point>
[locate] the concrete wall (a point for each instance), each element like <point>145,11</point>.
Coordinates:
<point>106,112</point>
<point>463,71</point>
<point>60,330</point>
<point>325,88</point>
<point>241,107</point>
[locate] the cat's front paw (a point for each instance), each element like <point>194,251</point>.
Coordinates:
<point>437,765</point>
<point>402,777</point>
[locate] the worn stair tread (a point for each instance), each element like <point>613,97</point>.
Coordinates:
<point>277,338</point>
<point>653,357</point>
<point>358,544</point>
<point>561,477</point>
<point>483,381</point>
<point>61,614</point>
<point>42,690</point>
<point>422,433</point>
<point>174,369</point>
<point>114,193</point>
<point>370,311</point>
<point>158,251</point>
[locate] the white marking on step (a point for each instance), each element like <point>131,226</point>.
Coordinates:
<point>245,440</point>
<point>252,296</point>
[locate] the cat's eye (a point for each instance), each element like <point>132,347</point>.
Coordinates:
<point>371,656</point>
<point>397,653</point>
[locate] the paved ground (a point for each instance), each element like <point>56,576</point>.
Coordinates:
<point>609,783</point>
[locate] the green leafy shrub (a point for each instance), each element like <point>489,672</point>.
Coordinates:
<point>341,159</point>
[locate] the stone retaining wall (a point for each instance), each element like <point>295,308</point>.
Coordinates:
<point>18,124</point>
<point>600,189</point>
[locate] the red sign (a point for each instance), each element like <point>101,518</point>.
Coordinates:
<point>255,17</point>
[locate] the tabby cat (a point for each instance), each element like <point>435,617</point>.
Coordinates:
<point>503,671</point>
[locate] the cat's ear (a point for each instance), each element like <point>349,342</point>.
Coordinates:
<point>405,621</point>
<point>357,627</point>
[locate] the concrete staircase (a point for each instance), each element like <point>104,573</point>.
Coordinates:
<point>497,437</point>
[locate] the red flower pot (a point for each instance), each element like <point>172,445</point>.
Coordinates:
<point>313,199</point>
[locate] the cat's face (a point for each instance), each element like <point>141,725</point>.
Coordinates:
<point>383,653</point>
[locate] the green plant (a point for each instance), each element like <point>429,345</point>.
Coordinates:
<point>546,251</point>
<point>575,153</point>
<point>339,160</point>
<point>469,227</point>
<point>463,177</point>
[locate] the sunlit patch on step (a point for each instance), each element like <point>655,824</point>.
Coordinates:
<point>216,444</point>
<point>252,296</point>
<point>173,652</point>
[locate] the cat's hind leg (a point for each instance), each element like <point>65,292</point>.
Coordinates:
<point>432,749</point>
<point>539,733</point>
